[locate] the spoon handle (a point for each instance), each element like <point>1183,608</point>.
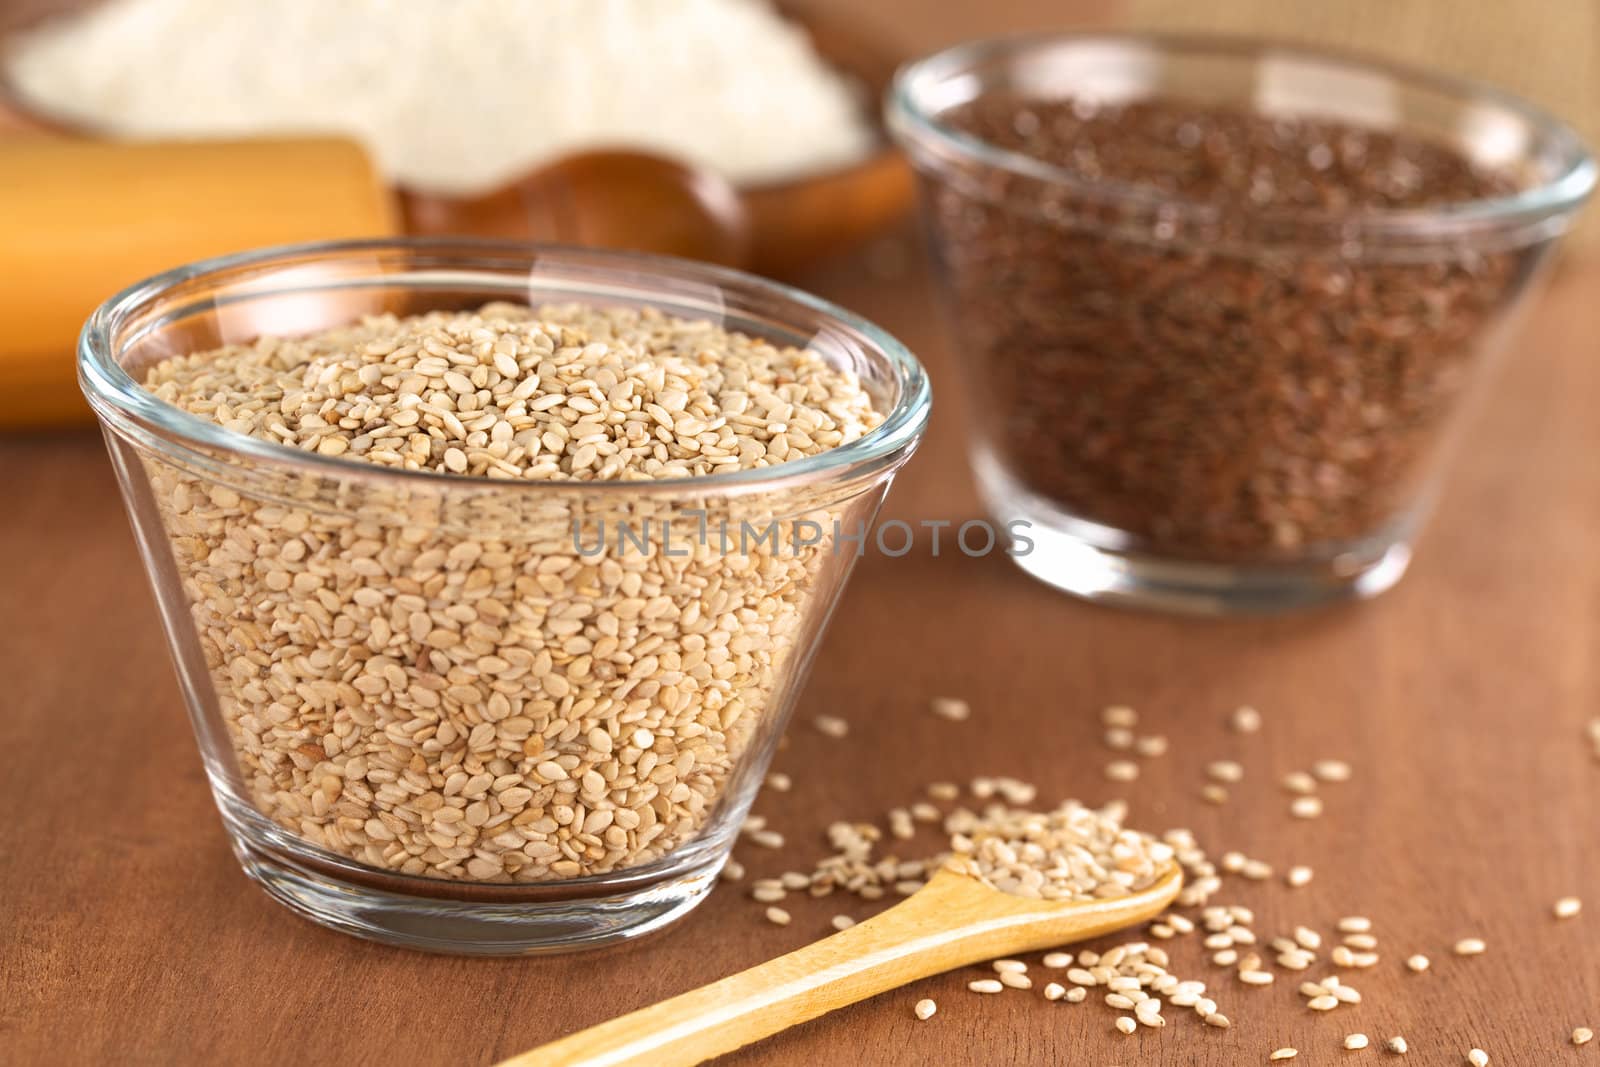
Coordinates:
<point>951,922</point>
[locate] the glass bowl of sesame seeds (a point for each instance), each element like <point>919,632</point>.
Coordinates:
<point>491,572</point>
<point>1222,303</point>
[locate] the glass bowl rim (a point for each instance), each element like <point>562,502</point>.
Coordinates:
<point>916,126</point>
<point>115,396</point>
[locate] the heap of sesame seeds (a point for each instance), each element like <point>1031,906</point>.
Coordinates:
<point>481,700</point>
<point>1137,979</point>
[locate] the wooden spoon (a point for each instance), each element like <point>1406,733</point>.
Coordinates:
<point>953,921</point>
<point>611,198</point>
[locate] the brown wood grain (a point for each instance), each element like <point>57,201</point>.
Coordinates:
<point>128,934</point>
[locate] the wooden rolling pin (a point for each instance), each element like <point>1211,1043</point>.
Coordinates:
<point>80,220</point>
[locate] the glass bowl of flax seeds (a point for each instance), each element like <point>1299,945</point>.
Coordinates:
<point>1220,304</point>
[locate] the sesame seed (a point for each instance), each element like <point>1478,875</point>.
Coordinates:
<point>1306,807</point>
<point>1127,1024</point>
<point>1218,1020</point>
<point>1417,963</point>
<point>1118,738</point>
<point>768,894</point>
<point>1299,782</point>
<point>1298,877</point>
<point>1397,1045</point>
<point>766,838</point>
<point>841,922</point>
<point>1057,960</point>
<point>1054,991</point>
<point>1355,1041</point>
<point>1004,966</point>
<point>732,871</point>
<point>1326,1002</point>
<point>778,916</point>
<point>1355,924</point>
<point>944,791</point>
<point>831,725</point>
<point>924,1009</point>
<point>985,985</point>
<point>1119,715</point>
<point>1365,942</point>
<point>1257,870</point>
<point>1477,1057</point>
<point>778,783</point>
<point>1307,937</point>
<point>1284,1054</point>
<point>1582,1035</point>
<point>1122,770</point>
<point>1015,980</point>
<point>1225,770</point>
<point>1245,720</point>
<point>1256,977</point>
<point>1151,747</point>
<point>1470,946</point>
<point>1077,995</point>
<point>951,709</point>
<point>1567,907</point>
<point>1212,793</point>
<point>1331,770</point>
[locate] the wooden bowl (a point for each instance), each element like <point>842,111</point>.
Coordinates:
<point>625,198</point>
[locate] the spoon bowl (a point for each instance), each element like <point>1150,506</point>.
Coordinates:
<point>953,921</point>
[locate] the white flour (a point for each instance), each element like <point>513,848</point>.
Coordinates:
<point>457,96</point>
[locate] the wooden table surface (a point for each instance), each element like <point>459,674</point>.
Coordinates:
<point>129,935</point>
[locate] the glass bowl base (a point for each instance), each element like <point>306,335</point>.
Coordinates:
<point>1087,560</point>
<point>431,924</point>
